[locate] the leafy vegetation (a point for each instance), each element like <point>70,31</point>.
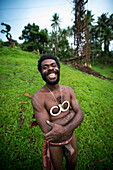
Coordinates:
<point>21,148</point>
<point>34,38</point>
<point>100,33</point>
<point>57,42</point>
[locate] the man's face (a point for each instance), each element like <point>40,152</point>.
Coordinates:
<point>50,71</point>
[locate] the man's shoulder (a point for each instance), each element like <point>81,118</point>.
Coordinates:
<point>66,87</point>
<point>39,94</point>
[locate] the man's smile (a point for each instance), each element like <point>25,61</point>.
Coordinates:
<point>52,76</point>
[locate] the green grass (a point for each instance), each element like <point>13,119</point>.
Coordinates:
<point>21,148</point>
<point>105,70</point>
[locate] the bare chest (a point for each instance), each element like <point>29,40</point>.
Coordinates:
<point>58,106</point>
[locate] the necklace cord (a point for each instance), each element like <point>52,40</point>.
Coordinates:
<point>54,95</point>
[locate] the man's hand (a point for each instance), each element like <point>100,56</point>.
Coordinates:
<point>56,133</point>
<point>58,130</point>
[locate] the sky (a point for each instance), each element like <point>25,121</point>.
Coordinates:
<point>18,13</point>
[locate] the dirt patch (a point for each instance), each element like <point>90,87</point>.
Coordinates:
<point>90,71</point>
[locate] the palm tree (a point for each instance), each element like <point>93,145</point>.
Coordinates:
<point>94,42</point>
<point>105,30</point>
<point>64,34</point>
<point>55,24</point>
<point>52,43</point>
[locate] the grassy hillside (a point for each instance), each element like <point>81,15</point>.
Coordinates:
<point>21,148</point>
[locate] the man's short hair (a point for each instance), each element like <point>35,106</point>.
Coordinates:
<point>47,56</point>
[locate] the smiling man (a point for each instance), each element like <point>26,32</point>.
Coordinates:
<point>58,114</point>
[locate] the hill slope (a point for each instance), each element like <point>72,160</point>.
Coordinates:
<point>21,148</point>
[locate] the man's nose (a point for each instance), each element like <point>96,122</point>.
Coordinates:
<point>50,68</point>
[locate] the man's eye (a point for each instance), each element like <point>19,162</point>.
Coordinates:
<point>54,65</point>
<point>45,67</point>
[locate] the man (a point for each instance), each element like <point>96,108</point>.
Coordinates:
<point>51,105</point>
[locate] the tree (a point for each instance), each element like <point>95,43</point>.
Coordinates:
<point>30,33</point>
<point>88,19</point>
<point>94,42</point>
<point>34,38</point>
<point>8,35</point>
<point>105,30</point>
<point>63,52</point>
<point>8,29</point>
<point>79,27</point>
<point>52,42</point>
<point>55,24</point>
<point>64,33</point>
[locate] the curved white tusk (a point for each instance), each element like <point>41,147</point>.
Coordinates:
<point>53,113</point>
<point>64,110</point>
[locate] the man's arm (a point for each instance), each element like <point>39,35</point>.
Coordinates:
<point>70,127</point>
<point>65,120</point>
<point>42,115</point>
<point>79,116</point>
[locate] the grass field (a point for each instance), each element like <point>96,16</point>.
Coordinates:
<point>21,148</point>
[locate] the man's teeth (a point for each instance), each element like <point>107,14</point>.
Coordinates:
<point>52,75</point>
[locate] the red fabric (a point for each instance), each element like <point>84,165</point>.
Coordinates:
<point>46,151</point>
<point>59,144</point>
<point>34,123</point>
